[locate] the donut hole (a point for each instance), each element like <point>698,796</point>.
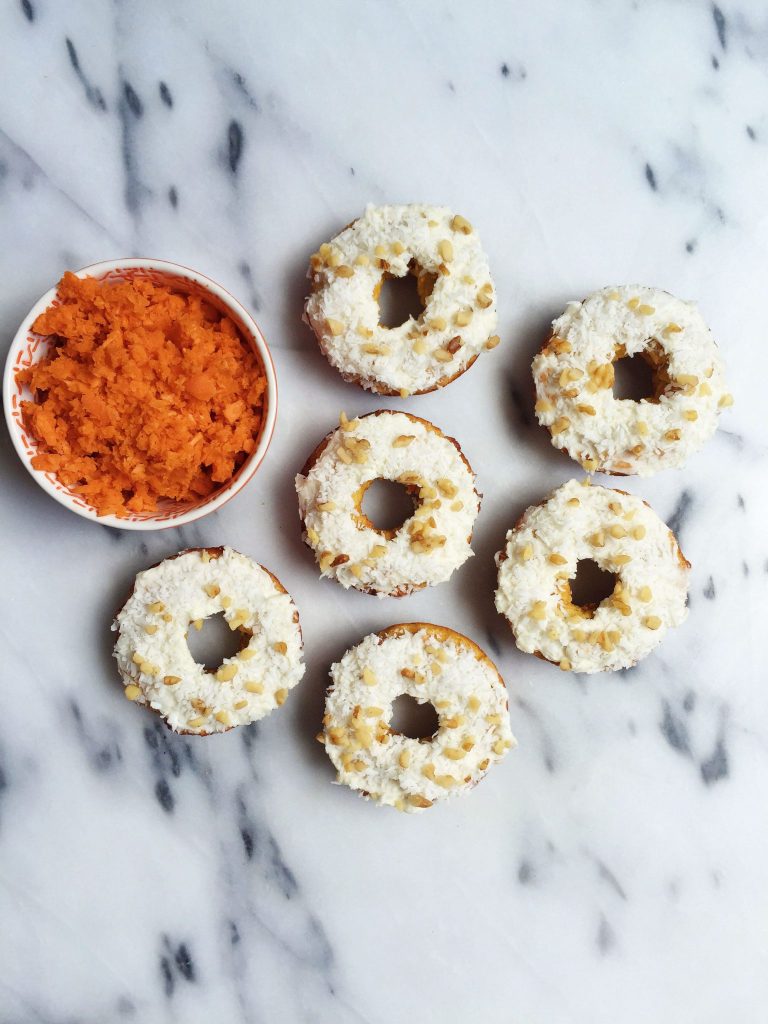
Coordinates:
<point>412,719</point>
<point>403,298</point>
<point>634,379</point>
<point>590,586</point>
<point>213,643</point>
<point>387,504</point>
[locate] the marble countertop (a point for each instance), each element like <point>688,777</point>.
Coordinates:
<point>615,867</point>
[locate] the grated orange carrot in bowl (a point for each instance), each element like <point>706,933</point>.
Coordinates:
<point>145,394</point>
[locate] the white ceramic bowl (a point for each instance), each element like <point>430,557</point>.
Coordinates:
<point>27,348</point>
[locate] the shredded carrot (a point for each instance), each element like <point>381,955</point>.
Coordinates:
<point>144,394</point>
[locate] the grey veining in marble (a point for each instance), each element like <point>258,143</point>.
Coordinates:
<point>615,867</point>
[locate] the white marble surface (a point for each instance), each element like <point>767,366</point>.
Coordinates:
<point>614,868</point>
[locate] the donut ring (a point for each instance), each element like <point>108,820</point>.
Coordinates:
<point>395,446</point>
<point>157,667</point>
<point>433,664</point>
<point>444,253</point>
<point>574,376</point>
<point>624,536</point>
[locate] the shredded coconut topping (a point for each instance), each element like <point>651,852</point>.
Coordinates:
<point>433,665</point>
<point>430,545</point>
<point>574,378</point>
<point>624,536</point>
<point>157,665</point>
<point>459,316</point>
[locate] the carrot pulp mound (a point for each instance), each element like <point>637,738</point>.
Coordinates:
<point>145,394</point>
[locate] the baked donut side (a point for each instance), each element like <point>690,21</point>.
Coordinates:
<point>424,353</point>
<point>177,594</point>
<point>433,664</point>
<point>574,377</point>
<point>624,537</point>
<point>429,546</point>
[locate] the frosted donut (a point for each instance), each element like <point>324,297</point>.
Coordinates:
<point>444,253</point>
<point>574,377</point>
<point>388,445</point>
<point>624,536</point>
<point>434,665</point>
<point>157,666</point>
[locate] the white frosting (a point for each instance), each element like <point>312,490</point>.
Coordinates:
<point>630,316</point>
<point>349,302</point>
<point>455,676</point>
<point>255,600</point>
<point>398,566</point>
<point>558,526</point>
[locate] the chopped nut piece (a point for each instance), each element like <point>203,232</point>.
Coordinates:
<point>454,345</point>
<point>557,559</point>
<point>280,646</point>
<point>344,271</point>
<point>463,317</point>
<point>645,310</point>
<point>226,672</point>
<point>212,589</point>
<point>461,224</point>
<point>336,327</point>
<point>150,629</point>
<point>132,692</point>
<point>171,680</point>
<point>438,323</point>
<point>403,440</point>
<point>247,653</point>
<point>493,341</point>
<point>652,621</point>
<point>156,606</point>
<point>254,687</point>
<point>445,248</point>
<point>538,610</point>
<point>416,800</point>
<point>404,758</point>
<point>223,717</point>
<point>638,532</point>
<point>280,696</point>
<point>240,704</point>
<point>369,676</point>
<point>196,723</point>
<point>560,424</point>
<point>645,594</point>
<point>725,401</point>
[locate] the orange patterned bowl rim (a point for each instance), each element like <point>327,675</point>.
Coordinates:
<point>28,347</point>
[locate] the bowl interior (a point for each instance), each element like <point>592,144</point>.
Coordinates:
<point>34,346</point>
